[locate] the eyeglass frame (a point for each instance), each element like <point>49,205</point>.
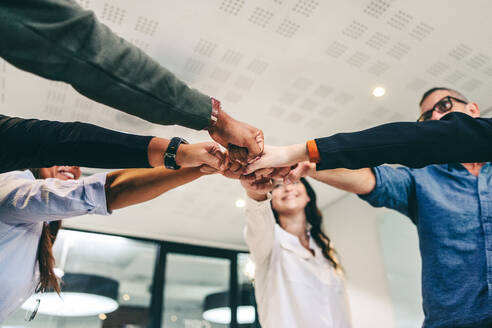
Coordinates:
<point>31,317</point>
<point>449,99</point>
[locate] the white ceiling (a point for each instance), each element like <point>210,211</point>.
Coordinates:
<point>298,69</point>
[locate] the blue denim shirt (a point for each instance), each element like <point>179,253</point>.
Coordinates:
<point>452,210</point>
<point>25,203</point>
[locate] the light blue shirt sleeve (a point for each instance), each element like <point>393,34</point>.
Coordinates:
<point>24,199</point>
<point>395,189</point>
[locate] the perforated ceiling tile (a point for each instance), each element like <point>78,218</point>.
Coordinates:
<point>302,83</point>
<point>257,66</point>
<point>437,69</point>
<point>232,7</point>
<point>376,8</point>
<point>244,83</point>
<point>220,75</point>
<point>378,68</point>
<point>377,40</point>
<point>400,20</point>
<point>455,77</point>
<point>276,111</point>
<point>84,3</point>
<point>205,48</point>
<point>194,66</point>
<point>399,50</point>
<point>343,98</point>
<point>355,30</point>
<point>294,118</point>
<point>308,104</point>
<point>478,61</point>
<point>305,7</point>
<point>314,123</point>
<point>232,57</point>
<point>146,26</point>
<point>84,104</point>
<point>380,112</point>
<point>261,17</point>
<point>472,85</point>
<point>288,28</point>
<point>358,59</point>
<point>417,84</point>
<point>460,51</point>
<point>288,98</point>
<point>323,91</point>
<point>328,111</point>
<point>141,44</point>
<point>488,71</point>
<point>336,49</point>
<point>233,96</point>
<point>113,14</point>
<point>279,2</point>
<point>421,31</point>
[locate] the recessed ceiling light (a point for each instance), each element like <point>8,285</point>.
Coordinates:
<point>102,316</point>
<point>240,203</point>
<point>378,91</point>
<point>126,297</point>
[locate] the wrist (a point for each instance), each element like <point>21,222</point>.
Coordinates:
<point>156,150</point>
<point>297,153</point>
<point>182,154</point>
<point>216,115</point>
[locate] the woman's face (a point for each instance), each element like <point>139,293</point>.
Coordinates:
<point>60,172</point>
<point>289,198</point>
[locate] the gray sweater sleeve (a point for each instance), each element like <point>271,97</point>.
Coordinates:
<point>59,40</point>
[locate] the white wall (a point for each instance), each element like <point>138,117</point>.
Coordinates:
<point>352,226</point>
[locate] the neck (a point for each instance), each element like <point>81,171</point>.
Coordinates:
<point>295,224</point>
<point>473,168</point>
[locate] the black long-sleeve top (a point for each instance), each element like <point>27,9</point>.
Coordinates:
<point>456,138</point>
<point>38,143</point>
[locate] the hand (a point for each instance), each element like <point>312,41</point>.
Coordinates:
<point>208,153</point>
<point>227,131</point>
<point>279,157</point>
<point>256,189</point>
<point>302,169</point>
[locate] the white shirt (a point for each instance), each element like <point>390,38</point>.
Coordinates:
<point>25,203</point>
<point>293,287</point>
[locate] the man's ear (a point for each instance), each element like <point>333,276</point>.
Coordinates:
<point>472,107</point>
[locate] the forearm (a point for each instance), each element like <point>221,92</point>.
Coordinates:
<point>39,143</point>
<point>71,45</point>
<point>360,181</point>
<point>134,186</point>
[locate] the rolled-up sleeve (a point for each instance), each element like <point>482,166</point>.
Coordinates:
<point>24,200</point>
<point>59,40</point>
<point>259,232</point>
<point>394,189</point>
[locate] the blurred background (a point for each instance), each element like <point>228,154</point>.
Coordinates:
<point>298,69</point>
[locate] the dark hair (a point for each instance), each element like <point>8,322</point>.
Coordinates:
<point>457,94</point>
<point>46,259</point>
<point>315,219</point>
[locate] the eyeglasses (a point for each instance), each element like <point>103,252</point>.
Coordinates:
<point>442,106</point>
<point>31,315</point>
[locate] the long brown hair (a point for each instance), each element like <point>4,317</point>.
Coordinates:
<point>315,219</point>
<point>46,259</point>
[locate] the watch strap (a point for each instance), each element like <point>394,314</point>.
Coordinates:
<point>170,155</point>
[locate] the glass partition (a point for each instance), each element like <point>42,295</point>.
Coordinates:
<point>106,283</point>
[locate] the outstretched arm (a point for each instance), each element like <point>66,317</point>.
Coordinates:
<point>38,143</point>
<point>133,186</point>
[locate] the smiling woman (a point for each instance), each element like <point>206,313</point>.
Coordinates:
<point>298,279</point>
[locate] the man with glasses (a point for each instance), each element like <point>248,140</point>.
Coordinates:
<point>450,204</point>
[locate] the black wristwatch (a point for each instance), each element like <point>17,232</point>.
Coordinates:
<point>170,155</point>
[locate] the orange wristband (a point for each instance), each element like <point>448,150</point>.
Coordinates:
<point>313,151</point>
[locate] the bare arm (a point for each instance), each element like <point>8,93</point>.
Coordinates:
<point>134,186</point>
<point>361,181</point>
